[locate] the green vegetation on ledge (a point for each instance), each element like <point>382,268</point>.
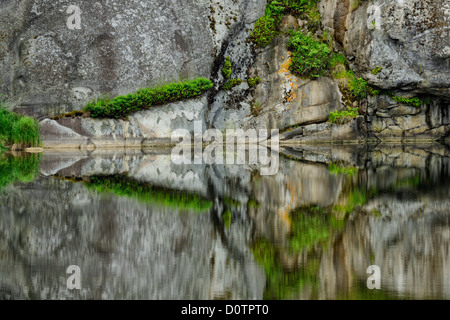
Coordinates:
<point>413,102</point>
<point>122,106</point>
<point>253,82</point>
<point>230,84</point>
<point>312,55</point>
<point>343,116</point>
<point>18,130</point>
<point>309,56</point>
<point>267,27</point>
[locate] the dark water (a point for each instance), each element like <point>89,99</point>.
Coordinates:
<point>140,227</point>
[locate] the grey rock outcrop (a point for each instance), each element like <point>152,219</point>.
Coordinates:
<point>149,127</point>
<point>46,68</point>
<point>409,41</point>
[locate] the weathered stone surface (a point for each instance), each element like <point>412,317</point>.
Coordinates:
<point>407,42</point>
<point>354,130</point>
<point>147,127</point>
<point>291,100</point>
<point>47,68</point>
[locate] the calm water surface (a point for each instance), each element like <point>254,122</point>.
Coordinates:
<point>140,227</point>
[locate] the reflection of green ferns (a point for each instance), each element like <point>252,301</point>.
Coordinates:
<point>253,204</point>
<point>410,182</point>
<point>281,283</point>
<point>123,186</point>
<point>226,217</point>
<point>231,202</point>
<point>356,198</point>
<point>18,169</point>
<point>335,169</point>
<point>310,228</point>
<point>359,291</point>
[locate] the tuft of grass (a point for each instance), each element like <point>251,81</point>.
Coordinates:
<point>102,101</point>
<point>309,55</point>
<point>359,87</point>
<point>25,132</point>
<point>314,18</point>
<point>226,70</point>
<point>264,31</point>
<point>355,4</point>
<point>122,106</point>
<point>253,82</point>
<point>376,70</point>
<point>414,102</point>
<point>16,129</point>
<point>343,116</point>
<point>230,84</point>
<point>267,27</point>
<point>337,59</point>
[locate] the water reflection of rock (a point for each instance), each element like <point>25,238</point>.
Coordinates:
<point>403,225</point>
<point>396,196</point>
<point>125,249</point>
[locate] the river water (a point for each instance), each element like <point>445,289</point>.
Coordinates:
<point>141,227</point>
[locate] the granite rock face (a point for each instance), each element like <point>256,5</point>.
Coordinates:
<point>408,40</point>
<point>287,100</point>
<point>154,127</point>
<point>48,67</point>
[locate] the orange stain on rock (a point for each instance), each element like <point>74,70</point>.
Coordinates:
<point>291,97</point>
<point>289,86</point>
<point>284,69</point>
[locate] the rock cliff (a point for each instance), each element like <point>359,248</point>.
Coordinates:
<point>48,65</point>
